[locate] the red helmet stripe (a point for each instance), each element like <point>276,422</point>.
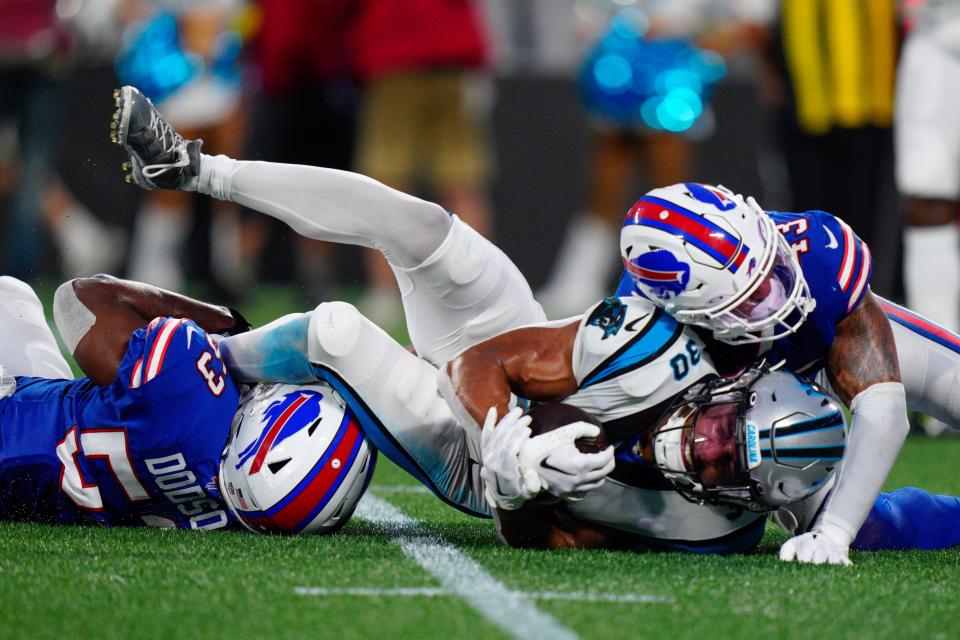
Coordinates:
<point>272,435</point>
<point>650,274</point>
<point>701,232</point>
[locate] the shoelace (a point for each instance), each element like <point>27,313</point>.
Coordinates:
<point>162,129</point>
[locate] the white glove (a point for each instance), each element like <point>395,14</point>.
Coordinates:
<point>564,471</point>
<point>506,485</point>
<point>816,547</point>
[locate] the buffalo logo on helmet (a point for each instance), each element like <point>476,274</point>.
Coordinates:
<point>660,272</point>
<point>710,195</point>
<point>282,419</point>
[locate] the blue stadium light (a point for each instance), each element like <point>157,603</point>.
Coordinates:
<point>613,73</point>
<point>662,84</point>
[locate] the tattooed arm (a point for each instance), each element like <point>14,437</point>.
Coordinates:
<point>863,369</point>
<point>863,352</point>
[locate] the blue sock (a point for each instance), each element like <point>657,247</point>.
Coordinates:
<point>910,518</point>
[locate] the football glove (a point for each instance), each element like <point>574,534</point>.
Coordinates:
<point>816,547</point>
<point>506,485</point>
<point>564,470</point>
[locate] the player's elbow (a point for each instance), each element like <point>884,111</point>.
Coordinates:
<point>88,290</point>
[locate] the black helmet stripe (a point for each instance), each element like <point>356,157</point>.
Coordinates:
<point>809,453</point>
<point>831,421</point>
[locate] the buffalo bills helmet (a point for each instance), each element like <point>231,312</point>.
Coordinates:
<point>296,460</point>
<point>712,259</point>
<point>763,440</point>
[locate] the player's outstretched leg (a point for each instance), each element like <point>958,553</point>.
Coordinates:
<point>159,156</point>
<point>458,288</point>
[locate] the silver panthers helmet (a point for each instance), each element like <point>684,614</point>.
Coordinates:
<point>762,440</point>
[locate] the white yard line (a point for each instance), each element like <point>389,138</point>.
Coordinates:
<point>514,613</point>
<point>433,592</point>
<point>400,488</point>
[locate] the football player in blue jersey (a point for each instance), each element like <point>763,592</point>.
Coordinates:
<point>274,458</point>
<point>94,450</point>
<point>794,287</point>
<point>141,442</point>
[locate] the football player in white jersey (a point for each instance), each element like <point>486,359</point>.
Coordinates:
<point>458,290</point>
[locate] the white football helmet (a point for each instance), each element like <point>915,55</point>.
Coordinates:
<point>712,259</point>
<point>296,460</point>
<point>761,441</point>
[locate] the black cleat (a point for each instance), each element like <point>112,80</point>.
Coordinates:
<point>159,156</point>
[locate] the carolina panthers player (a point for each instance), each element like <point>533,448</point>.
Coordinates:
<point>794,287</point>
<point>457,288</point>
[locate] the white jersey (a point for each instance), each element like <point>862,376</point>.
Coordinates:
<point>631,360</point>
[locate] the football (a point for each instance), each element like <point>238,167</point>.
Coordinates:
<point>550,416</point>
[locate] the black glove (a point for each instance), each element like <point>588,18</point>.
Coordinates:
<point>240,324</point>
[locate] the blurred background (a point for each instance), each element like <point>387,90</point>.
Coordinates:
<point>537,121</point>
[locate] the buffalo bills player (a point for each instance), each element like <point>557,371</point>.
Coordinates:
<point>141,441</point>
<point>92,449</point>
<point>795,287</point>
<point>278,458</point>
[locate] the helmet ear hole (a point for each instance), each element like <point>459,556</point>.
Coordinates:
<point>276,466</point>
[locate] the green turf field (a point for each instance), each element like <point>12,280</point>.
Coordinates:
<point>408,567</point>
<point>437,574</point>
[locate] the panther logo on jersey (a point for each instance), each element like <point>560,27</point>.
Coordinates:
<point>283,418</point>
<point>609,317</point>
<point>661,272</point>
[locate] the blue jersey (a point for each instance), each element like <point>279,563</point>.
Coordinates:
<point>142,451</point>
<point>837,267</point>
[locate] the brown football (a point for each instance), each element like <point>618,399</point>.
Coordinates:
<point>550,416</point>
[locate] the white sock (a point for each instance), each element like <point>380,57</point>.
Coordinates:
<point>158,239</point>
<point>932,273</point>
<point>327,204</point>
<point>216,176</point>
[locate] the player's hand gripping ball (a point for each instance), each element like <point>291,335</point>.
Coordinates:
<point>568,451</point>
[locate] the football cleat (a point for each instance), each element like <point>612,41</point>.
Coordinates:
<point>159,156</point>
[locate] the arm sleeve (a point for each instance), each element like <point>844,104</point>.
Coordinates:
<point>276,352</point>
<point>876,434</point>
